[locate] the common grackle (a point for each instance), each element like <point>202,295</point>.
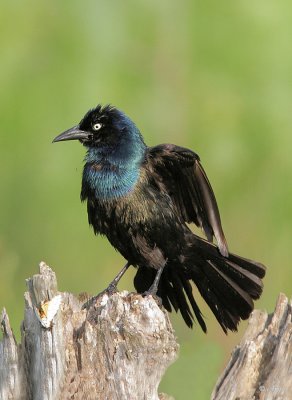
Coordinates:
<point>142,198</point>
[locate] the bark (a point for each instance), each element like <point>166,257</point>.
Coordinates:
<point>115,347</point>
<point>260,367</point>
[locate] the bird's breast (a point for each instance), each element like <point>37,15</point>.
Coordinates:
<point>108,181</point>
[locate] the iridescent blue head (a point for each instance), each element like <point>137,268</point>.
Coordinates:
<point>116,150</point>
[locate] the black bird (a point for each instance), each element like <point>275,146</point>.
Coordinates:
<point>142,198</point>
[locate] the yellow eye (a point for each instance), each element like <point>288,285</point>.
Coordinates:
<point>97,126</point>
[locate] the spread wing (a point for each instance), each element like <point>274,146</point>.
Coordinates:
<point>179,171</point>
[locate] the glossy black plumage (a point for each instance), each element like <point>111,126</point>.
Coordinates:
<point>141,198</point>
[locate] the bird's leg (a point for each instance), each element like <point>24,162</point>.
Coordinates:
<point>154,287</point>
<point>112,287</point>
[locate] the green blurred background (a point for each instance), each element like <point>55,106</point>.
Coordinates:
<point>212,76</point>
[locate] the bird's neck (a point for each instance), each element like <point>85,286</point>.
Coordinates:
<point>111,173</point>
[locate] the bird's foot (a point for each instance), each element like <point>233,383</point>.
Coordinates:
<point>154,295</point>
<point>111,289</point>
<point>152,291</point>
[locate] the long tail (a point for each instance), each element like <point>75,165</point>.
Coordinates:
<point>227,284</point>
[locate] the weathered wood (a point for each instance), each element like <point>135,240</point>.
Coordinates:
<point>260,367</point>
<point>107,348</point>
<point>118,347</point>
<point>10,372</point>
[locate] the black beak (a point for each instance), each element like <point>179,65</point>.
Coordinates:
<point>71,134</point>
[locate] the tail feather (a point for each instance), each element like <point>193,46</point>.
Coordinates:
<point>254,267</point>
<point>188,290</point>
<point>169,298</point>
<point>227,284</point>
<point>246,279</point>
<point>236,298</point>
<point>173,289</point>
<point>225,318</point>
<point>182,301</point>
<point>220,296</point>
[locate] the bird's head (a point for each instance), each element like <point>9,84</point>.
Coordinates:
<point>103,127</point>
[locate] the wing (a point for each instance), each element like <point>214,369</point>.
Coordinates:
<point>179,171</point>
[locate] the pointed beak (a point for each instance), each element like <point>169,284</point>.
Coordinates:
<point>72,134</point>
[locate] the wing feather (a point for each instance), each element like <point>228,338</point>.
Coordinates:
<point>179,171</point>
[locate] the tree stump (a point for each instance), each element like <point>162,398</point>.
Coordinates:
<point>107,348</point>
<point>260,367</point>
<point>118,347</point>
